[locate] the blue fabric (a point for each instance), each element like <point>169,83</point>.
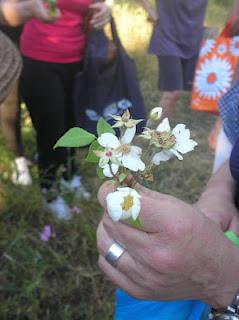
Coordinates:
<point>179,30</point>
<point>234,161</point>
<point>129,308</point>
<point>229,110</point>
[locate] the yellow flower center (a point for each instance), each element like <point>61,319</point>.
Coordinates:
<point>165,139</point>
<point>127,203</point>
<point>124,149</point>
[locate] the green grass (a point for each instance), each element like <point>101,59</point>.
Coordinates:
<point>60,279</point>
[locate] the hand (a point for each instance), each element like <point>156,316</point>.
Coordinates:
<point>101,16</point>
<point>40,12</point>
<point>16,12</point>
<point>152,15</point>
<point>178,254</point>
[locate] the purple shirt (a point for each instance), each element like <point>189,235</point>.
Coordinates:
<point>179,29</point>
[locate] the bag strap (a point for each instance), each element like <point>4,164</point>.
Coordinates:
<point>114,32</point>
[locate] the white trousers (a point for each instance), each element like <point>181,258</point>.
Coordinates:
<point>223,151</point>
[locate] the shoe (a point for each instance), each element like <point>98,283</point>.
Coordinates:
<point>75,185</point>
<point>59,208</point>
<point>21,174</point>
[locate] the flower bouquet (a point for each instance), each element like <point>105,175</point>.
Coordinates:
<point>52,7</point>
<point>119,157</point>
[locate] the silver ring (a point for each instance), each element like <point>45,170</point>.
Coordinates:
<point>114,253</point>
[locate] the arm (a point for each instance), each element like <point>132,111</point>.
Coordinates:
<point>16,12</point>
<point>217,201</point>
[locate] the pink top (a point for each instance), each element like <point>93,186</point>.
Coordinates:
<point>62,41</point>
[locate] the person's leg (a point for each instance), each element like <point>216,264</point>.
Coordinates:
<point>10,126</point>
<point>70,177</point>
<point>10,122</point>
<point>170,82</point>
<point>43,92</point>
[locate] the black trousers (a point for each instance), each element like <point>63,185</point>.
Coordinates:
<point>47,90</point>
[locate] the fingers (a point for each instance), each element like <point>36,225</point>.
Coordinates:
<point>106,188</point>
<point>40,11</point>
<point>127,265</point>
<point>134,240</point>
<point>234,226</point>
<point>122,281</point>
<point>158,211</point>
<point>101,15</point>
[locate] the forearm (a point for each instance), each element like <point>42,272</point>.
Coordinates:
<point>222,182</point>
<point>13,13</point>
<point>217,201</point>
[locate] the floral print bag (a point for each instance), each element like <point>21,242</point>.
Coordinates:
<point>215,71</point>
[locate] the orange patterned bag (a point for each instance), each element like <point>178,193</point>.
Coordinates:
<point>216,66</point>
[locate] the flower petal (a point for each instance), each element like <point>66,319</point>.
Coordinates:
<point>128,135</point>
<point>107,171</point>
<point>113,201</point>
<point>163,126</point>
<point>164,155</point>
<point>108,140</point>
<point>177,154</point>
<point>135,150</point>
<point>136,209</point>
<point>133,162</point>
<point>185,146</point>
<point>103,161</point>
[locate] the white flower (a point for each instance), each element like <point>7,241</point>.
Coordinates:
<point>234,47</point>
<point>156,113</point>
<point>125,121</point>
<point>121,153</point>
<point>108,161</point>
<point>222,49</point>
<point>179,139</point>
<point>123,204</point>
<point>207,47</point>
<point>213,78</point>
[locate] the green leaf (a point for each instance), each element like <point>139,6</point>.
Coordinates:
<point>91,157</point>
<point>104,127</point>
<point>135,223</point>
<point>99,172</point>
<point>75,138</point>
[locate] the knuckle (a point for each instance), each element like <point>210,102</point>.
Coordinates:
<point>165,260</point>
<point>180,229</point>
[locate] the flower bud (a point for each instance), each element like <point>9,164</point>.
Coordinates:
<point>155,114</point>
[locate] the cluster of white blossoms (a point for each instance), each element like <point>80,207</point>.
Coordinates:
<point>120,158</point>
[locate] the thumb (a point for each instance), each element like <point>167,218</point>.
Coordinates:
<point>105,189</point>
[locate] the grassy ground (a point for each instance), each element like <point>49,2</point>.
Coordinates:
<point>60,279</point>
